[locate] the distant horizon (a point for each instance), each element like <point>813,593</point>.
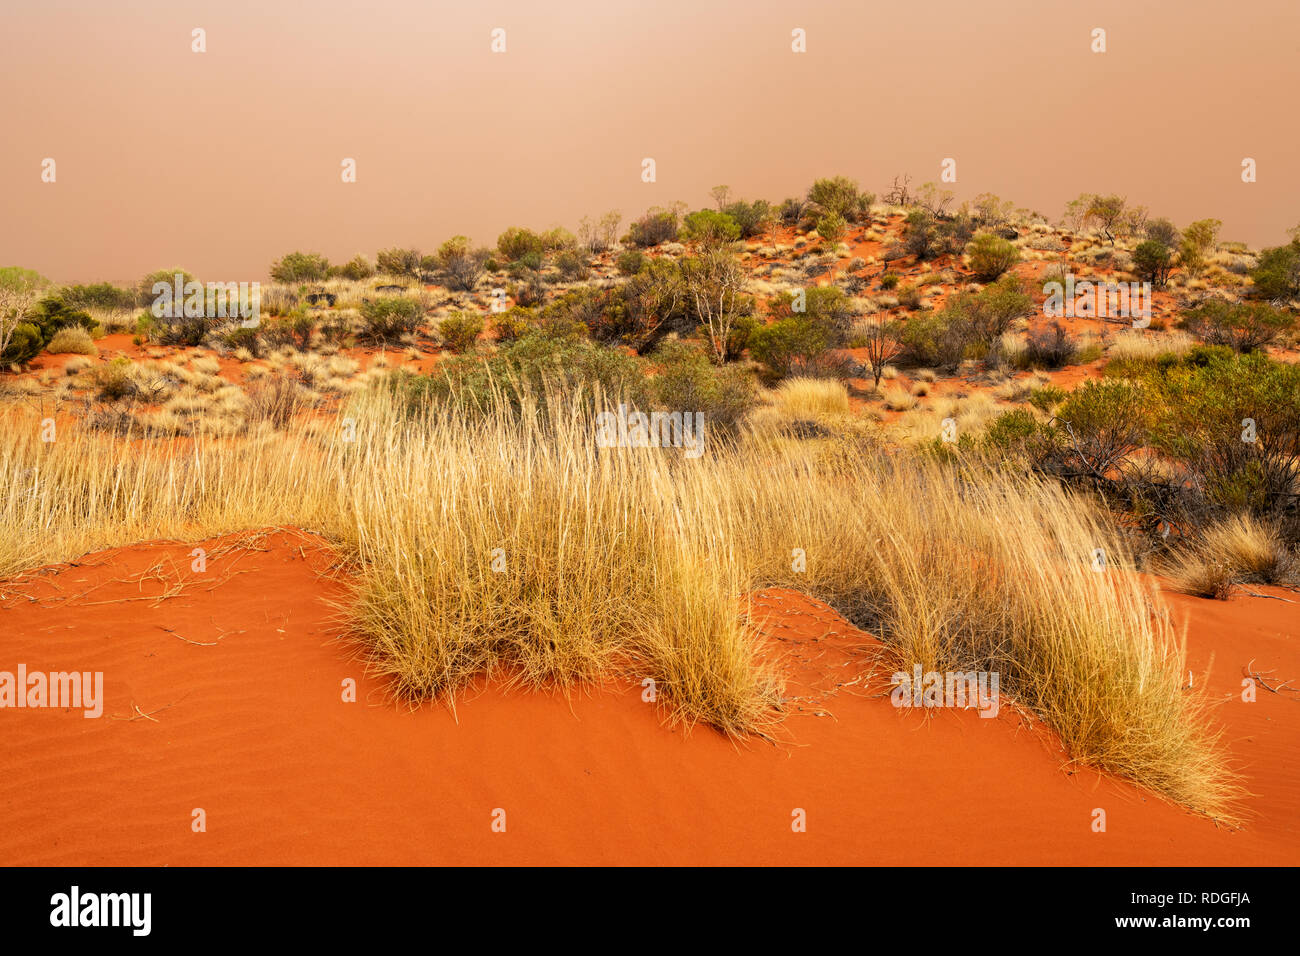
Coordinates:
<point>450,138</point>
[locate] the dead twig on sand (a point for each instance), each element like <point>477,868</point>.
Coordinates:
<point>141,715</point>
<point>1261,678</point>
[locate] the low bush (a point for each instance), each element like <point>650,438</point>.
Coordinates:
<point>386,320</point>
<point>991,256</point>
<point>656,226</point>
<point>630,261</point>
<point>710,227</point>
<point>460,330</point>
<point>515,243</point>
<point>687,381</point>
<point>72,340</point>
<point>1242,326</point>
<point>296,267</point>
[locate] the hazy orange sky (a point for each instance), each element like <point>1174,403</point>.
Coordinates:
<point>221,161</point>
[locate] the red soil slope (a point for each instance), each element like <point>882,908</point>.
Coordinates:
<point>224,692</point>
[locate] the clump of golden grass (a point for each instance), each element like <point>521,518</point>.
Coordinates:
<point>1251,548</point>
<point>898,399</point>
<point>1145,348</point>
<point>72,339</point>
<point>1234,550</point>
<point>812,398</point>
<point>514,547</point>
<point>1193,572</point>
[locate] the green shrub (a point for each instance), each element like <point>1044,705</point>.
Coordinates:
<point>656,226</point>
<point>630,261</point>
<point>1152,262</point>
<point>401,263</point>
<point>296,267</point>
<point>558,240</point>
<point>463,265</point>
<point>244,338</point>
<point>548,368</point>
<point>753,218</point>
<point>515,243</point>
<point>841,196</point>
<point>388,319</point>
<point>145,295</point>
<point>1164,232</point>
<point>101,295</point>
<point>358,269</point>
<point>513,324</point>
<point>114,380</point>
<point>460,330</point>
<point>790,344</point>
<point>648,305</point>
<point>710,227</point>
<point>1104,423</point>
<point>525,266</point>
<point>25,343</point>
<point>1047,397</point>
<point>909,297</point>
<point>1198,239</point>
<point>572,265</point>
<point>967,327</point>
<point>1235,420</point>
<point>991,256</point>
<point>1277,276</point>
<point>1242,326</point>
<point>293,328</point>
<point>831,227</point>
<point>931,340</point>
<point>36,327</point>
<point>826,305</point>
<point>687,381</point>
<point>1013,432</point>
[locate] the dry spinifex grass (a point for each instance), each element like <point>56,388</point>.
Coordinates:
<point>513,546</point>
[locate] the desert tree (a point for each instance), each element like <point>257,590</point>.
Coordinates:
<point>402,263</point>
<point>934,200</point>
<point>1152,261</point>
<point>1111,214</point>
<point>463,264</point>
<point>1164,232</point>
<point>19,289</point>
<point>1198,239</point>
<point>721,195</point>
<point>881,343</point>
<point>599,235</point>
<point>899,193</point>
<point>714,284</point>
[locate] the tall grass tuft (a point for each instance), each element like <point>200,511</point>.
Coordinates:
<point>502,542</point>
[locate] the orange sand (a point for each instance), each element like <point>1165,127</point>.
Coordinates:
<point>242,680</point>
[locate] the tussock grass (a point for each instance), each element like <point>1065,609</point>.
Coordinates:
<point>72,339</point>
<point>812,398</point>
<point>1234,550</point>
<point>514,547</point>
<point>1132,350</point>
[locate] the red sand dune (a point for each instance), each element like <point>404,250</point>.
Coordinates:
<point>241,677</point>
